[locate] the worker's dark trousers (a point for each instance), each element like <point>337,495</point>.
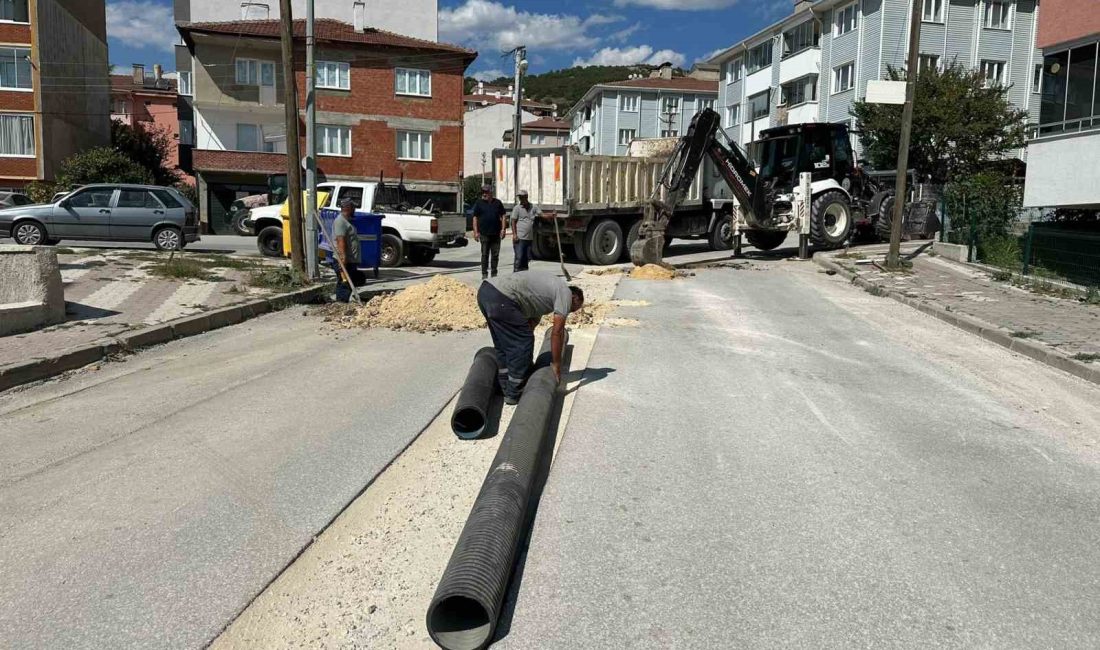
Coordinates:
<point>490,253</point>
<point>512,337</point>
<point>522,248</point>
<point>343,289</point>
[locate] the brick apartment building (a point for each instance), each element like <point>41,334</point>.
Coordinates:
<point>388,106</point>
<point>149,102</point>
<point>54,98</point>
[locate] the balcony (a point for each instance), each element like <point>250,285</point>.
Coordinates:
<point>1061,171</point>
<point>804,63</point>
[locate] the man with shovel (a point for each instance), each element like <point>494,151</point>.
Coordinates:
<point>345,245</point>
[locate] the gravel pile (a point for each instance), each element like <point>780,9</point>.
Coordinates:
<point>439,305</point>
<point>653,272</point>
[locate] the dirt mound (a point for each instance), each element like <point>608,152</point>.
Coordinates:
<point>439,305</point>
<point>653,272</point>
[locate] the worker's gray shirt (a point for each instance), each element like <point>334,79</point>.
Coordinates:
<point>341,227</point>
<point>536,292</point>
<point>525,220</point>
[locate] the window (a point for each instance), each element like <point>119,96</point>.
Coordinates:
<point>933,11</point>
<point>733,115</point>
<point>267,74</point>
<point>844,77</point>
<point>844,20</point>
<point>626,135</point>
<point>413,82</point>
<point>630,103</point>
<point>353,193</point>
<point>760,57</point>
<point>538,139</point>
<point>185,84</point>
<point>167,199</point>
<point>706,104</point>
<point>14,11</point>
<point>994,72</point>
<point>414,145</point>
<point>760,105</point>
<point>670,133</point>
<point>334,74</point>
<point>248,72</point>
<point>800,38</point>
<point>1037,79</point>
<point>928,63</point>
<point>670,105</point>
<point>250,137</point>
<point>800,91</point>
<point>735,71</point>
<point>119,107</point>
<point>187,133</point>
<point>333,140</point>
<point>99,197</point>
<point>137,199</point>
<point>15,68</point>
<point>17,135</point>
<point>998,14</point>
<point>1080,80</point>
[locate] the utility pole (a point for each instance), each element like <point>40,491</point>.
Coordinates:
<point>293,166</point>
<point>311,148</point>
<point>893,258</point>
<point>482,167</point>
<point>517,125</point>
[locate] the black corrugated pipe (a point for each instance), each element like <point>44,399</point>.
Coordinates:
<point>464,611</point>
<point>472,410</point>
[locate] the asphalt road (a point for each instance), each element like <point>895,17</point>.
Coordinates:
<point>809,466</point>
<point>144,505</point>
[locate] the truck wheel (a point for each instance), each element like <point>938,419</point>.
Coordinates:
<point>393,250</point>
<point>604,242</point>
<point>270,241</point>
<point>239,225</point>
<point>631,237</point>
<point>830,219</point>
<point>422,255</point>
<point>578,247</point>
<point>765,240</point>
<point>720,237</point>
<point>539,248</point>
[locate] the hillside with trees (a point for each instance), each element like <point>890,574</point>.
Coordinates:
<point>565,87</point>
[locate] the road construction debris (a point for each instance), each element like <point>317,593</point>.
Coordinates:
<point>441,304</point>
<point>653,272</point>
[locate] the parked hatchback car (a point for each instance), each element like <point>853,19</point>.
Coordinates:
<point>151,213</point>
<point>11,199</point>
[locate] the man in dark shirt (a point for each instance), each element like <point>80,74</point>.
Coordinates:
<point>489,228</point>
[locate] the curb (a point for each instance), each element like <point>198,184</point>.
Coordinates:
<point>987,331</point>
<point>23,372</point>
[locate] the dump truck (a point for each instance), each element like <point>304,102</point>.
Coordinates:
<point>598,201</point>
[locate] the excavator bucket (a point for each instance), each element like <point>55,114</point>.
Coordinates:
<point>647,250</point>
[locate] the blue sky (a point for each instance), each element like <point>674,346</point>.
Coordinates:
<point>557,33</point>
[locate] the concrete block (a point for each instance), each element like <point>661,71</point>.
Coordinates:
<point>154,335</point>
<point>226,316</point>
<point>31,292</point>
<point>954,252</point>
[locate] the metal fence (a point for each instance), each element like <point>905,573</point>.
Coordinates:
<point>1069,253</point>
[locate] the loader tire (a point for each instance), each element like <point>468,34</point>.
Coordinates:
<point>885,219</point>
<point>830,219</point>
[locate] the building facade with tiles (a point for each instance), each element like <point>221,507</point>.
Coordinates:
<point>54,91</point>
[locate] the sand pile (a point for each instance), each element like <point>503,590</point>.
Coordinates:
<point>439,305</point>
<point>652,272</point>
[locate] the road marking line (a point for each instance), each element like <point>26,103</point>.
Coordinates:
<point>188,299</point>
<point>112,294</point>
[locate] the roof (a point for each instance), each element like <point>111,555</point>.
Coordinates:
<point>675,83</point>
<point>546,124</point>
<point>494,99</point>
<point>325,30</point>
<point>125,83</point>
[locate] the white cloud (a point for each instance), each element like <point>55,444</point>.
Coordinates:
<point>624,33</point>
<point>681,5</point>
<point>632,56</point>
<point>710,55</point>
<point>485,21</point>
<point>142,23</point>
<point>488,75</point>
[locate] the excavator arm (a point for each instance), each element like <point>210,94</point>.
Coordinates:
<point>700,140</point>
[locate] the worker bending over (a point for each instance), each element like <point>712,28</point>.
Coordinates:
<point>513,305</point>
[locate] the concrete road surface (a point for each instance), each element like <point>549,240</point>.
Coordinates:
<point>144,505</point>
<point>775,459</point>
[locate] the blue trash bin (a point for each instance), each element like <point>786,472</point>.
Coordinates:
<point>369,227</point>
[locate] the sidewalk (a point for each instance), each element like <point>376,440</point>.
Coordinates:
<point>110,292</point>
<point>1059,331</point>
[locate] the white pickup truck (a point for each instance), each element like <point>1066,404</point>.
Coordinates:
<point>416,235</point>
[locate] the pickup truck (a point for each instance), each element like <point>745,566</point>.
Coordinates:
<point>414,234</point>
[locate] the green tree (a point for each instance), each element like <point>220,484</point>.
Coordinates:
<point>101,165</point>
<point>149,148</point>
<point>565,87</point>
<point>959,125</point>
<point>471,188</point>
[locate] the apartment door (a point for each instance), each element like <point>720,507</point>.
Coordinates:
<point>267,82</point>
